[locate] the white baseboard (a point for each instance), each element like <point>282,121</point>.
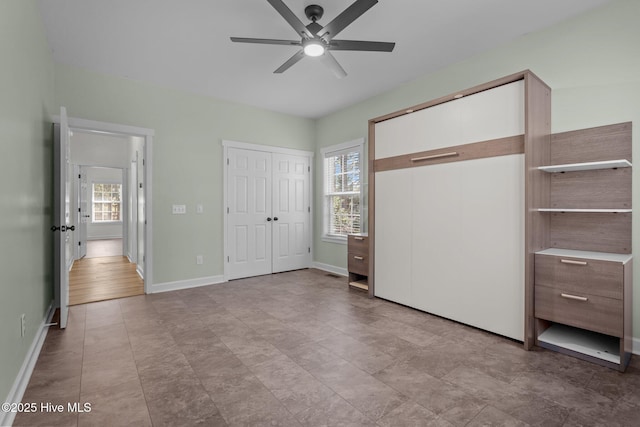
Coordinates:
<point>24,375</point>
<point>635,348</point>
<point>186,284</point>
<point>330,268</point>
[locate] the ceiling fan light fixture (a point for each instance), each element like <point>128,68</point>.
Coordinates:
<point>314,48</point>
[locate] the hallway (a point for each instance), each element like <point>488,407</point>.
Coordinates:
<point>103,274</point>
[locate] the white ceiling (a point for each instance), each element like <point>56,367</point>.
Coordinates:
<point>185,44</point>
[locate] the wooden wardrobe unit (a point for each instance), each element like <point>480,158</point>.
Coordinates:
<point>583,265</point>
<point>450,205</point>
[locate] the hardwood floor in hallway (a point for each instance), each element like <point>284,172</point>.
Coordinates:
<point>104,278</point>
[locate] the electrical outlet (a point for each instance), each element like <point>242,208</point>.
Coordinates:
<point>199,208</point>
<point>199,260</point>
<point>23,325</point>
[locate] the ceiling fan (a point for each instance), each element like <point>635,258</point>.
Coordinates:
<point>317,40</point>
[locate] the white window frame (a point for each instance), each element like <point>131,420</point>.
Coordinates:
<point>349,146</point>
<point>93,183</point>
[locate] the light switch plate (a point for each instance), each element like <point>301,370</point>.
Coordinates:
<point>179,209</point>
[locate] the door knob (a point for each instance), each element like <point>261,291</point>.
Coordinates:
<point>275,218</point>
<point>269,219</point>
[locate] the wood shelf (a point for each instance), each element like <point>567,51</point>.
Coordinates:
<point>600,256</point>
<point>574,167</point>
<point>360,284</point>
<point>584,210</point>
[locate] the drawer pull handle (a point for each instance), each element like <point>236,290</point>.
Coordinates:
<point>359,258</point>
<point>358,238</point>
<point>435,156</point>
<point>574,297</point>
<point>572,262</point>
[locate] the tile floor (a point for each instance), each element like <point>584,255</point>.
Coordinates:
<point>299,348</point>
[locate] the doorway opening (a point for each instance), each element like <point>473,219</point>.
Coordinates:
<point>110,189</point>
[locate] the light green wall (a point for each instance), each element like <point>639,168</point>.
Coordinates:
<point>26,102</point>
<point>187,156</point>
<point>591,62</point>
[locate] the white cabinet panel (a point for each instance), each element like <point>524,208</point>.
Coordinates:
<point>468,242</point>
<point>492,114</point>
<point>393,236</point>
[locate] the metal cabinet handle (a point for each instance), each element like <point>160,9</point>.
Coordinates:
<point>358,238</point>
<point>574,297</point>
<point>269,219</point>
<point>359,258</point>
<point>572,262</point>
<point>435,156</point>
<point>275,218</point>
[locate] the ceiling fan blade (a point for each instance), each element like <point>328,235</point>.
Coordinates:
<point>361,45</point>
<point>349,15</point>
<point>291,18</point>
<point>265,41</point>
<point>291,61</point>
<point>331,63</point>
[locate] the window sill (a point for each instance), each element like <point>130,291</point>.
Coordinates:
<point>105,222</point>
<point>335,239</point>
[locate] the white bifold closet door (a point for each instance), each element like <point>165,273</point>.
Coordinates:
<point>268,215</point>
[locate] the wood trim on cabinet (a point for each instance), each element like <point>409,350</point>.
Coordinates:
<point>372,207</point>
<point>537,151</point>
<point>522,75</point>
<point>609,142</point>
<point>476,150</point>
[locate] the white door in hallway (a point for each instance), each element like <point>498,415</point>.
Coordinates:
<point>248,213</point>
<point>291,213</point>
<point>268,212</point>
<point>63,241</point>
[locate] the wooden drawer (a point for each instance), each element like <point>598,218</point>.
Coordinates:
<point>599,314</point>
<point>358,263</point>
<point>580,275</point>
<point>358,245</point>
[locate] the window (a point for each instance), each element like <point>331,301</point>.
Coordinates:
<point>342,190</point>
<point>106,202</point>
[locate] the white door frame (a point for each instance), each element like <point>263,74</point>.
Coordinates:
<point>147,134</point>
<point>226,144</point>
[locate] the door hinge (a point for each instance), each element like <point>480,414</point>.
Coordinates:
<point>227,161</point>
<point>79,243</point>
<point>227,210</point>
<point>308,168</point>
<point>79,210</point>
<point>142,162</point>
<point>309,209</point>
<point>227,259</point>
<point>309,250</point>
<point>79,176</point>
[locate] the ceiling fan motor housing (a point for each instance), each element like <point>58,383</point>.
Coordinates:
<point>314,12</point>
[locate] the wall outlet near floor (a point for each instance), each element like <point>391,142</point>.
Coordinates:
<point>199,259</point>
<point>23,325</point>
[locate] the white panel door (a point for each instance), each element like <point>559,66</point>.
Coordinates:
<point>291,213</point>
<point>249,213</point>
<point>393,235</point>
<point>63,242</point>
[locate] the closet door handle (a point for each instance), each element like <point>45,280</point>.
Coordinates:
<point>358,238</point>
<point>275,218</point>
<point>572,262</point>
<point>269,219</point>
<point>574,297</point>
<point>359,258</point>
<point>435,156</point>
